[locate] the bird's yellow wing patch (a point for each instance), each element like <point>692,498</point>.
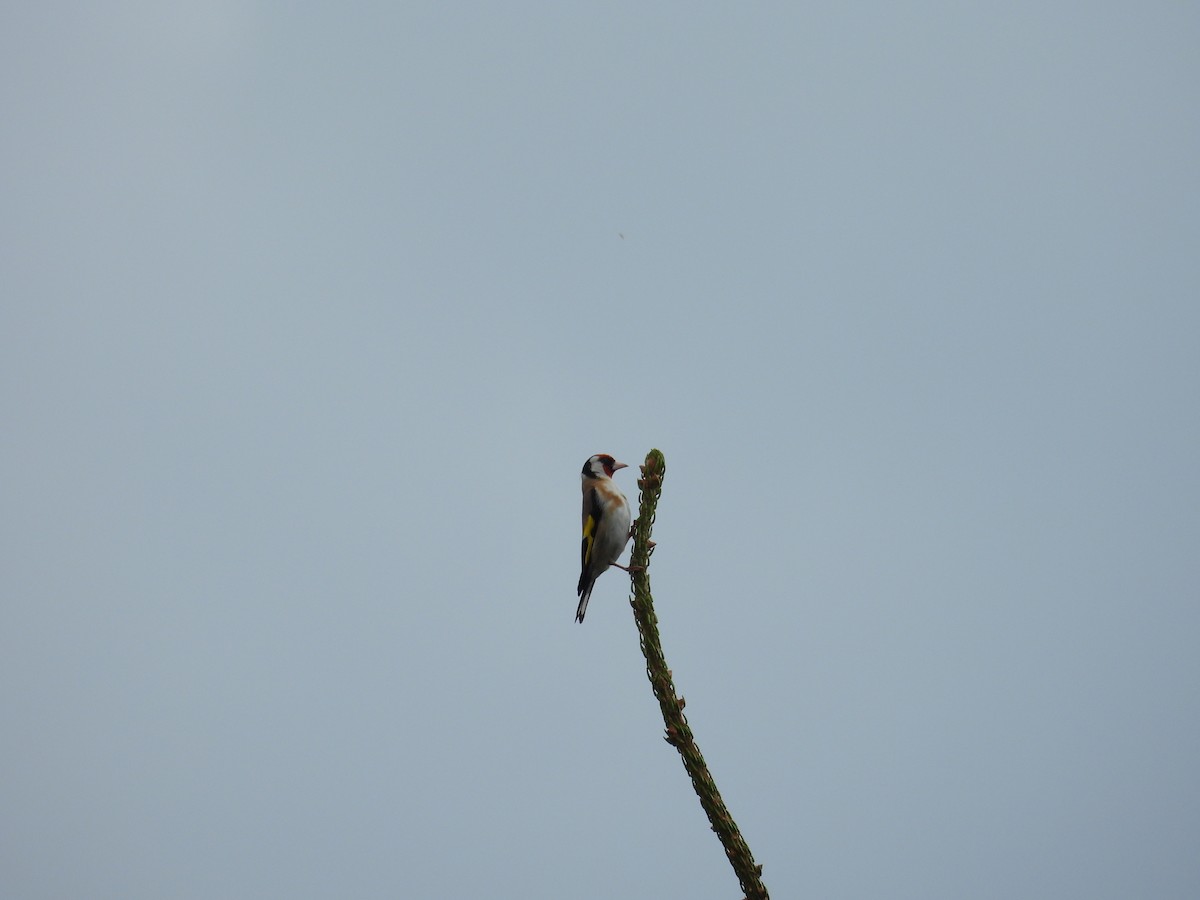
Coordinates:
<point>589,538</point>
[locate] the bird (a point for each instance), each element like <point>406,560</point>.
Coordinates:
<point>605,524</point>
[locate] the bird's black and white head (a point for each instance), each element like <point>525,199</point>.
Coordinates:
<point>601,466</point>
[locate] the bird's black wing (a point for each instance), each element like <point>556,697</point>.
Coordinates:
<point>593,511</point>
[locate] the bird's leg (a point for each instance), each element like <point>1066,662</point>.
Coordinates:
<point>630,569</point>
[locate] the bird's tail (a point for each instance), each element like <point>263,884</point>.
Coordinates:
<point>585,593</point>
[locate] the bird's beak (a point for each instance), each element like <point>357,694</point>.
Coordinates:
<point>618,465</point>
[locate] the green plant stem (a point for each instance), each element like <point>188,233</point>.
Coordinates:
<point>679,733</point>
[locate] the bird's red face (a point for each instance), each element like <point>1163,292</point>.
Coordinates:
<point>605,463</point>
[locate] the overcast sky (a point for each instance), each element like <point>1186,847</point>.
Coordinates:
<point>310,317</point>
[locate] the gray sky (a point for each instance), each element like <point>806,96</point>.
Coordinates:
<point>311,318</point>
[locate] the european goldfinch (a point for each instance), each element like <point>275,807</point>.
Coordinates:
<point>605,524</point>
